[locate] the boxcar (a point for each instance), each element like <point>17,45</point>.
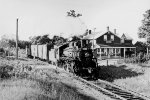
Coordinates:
<point>34,51</point>
<point>40,51</point>
<point>46,49</point>
<point>52,56</point>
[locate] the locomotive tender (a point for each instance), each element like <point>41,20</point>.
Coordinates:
<point>71,56</point>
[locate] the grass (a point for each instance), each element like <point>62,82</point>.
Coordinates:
<point>34,84</point>
<point>36,89</point>
<point>139,83</point>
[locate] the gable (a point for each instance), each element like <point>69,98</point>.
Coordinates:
<point>108,38</point>
<point>123,37</point>
<point>126,36</point>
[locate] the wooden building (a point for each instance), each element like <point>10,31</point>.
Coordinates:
<point>109,44</point>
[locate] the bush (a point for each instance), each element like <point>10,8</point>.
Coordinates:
<point>2,50</point>
<point>6,71</point>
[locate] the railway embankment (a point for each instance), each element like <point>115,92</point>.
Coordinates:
<point>29,79</point>
<point>32,79</point>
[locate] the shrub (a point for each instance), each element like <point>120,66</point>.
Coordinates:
<point>6,71</point>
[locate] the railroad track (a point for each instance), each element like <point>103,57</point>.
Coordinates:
<point>114,91</point>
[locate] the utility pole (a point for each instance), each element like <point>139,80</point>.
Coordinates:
<point>17,39</point>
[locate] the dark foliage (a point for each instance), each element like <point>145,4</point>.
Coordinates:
<point>44,39</point>
<point>5,71</point>
<point>140,47</point>
<point>2,50</point>
<point>144,29</point>
<point>56,40</point>
<point>23,44</point>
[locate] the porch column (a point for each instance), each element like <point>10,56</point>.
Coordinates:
<point>115,52</point>
<point>106,51</point>
<point>124,52</point>
<point>100,52</point>
<point>135,51</point>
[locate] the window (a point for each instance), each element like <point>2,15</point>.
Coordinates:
<point>105,37</point>
<point>122,40</point>
<point>102,50</point>
<point>108,41</point>
<point>112,37</point>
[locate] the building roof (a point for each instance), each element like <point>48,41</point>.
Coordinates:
<point>93,35</point>
<point>127,37</point>
<point>115,34</point>
<point>96,35</point>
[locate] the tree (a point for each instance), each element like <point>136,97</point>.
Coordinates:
<point>144,30</point>
<point>44,39</point>
<point>8,43</point>
<point>73,14</point>
<point>140,47</point>
<point>83,27</point>
<point>57,40</point>
<point>34,39</point>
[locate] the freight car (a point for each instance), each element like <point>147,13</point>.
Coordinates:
<point>70,56</point>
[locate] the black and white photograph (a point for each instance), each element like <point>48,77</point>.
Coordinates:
<point>74,49</point>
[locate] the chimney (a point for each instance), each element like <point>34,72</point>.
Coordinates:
<point>107,28</point>
<point>114,31</point>
<point>90,31</point>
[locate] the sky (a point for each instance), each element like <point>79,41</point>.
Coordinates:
<point>39,17</point>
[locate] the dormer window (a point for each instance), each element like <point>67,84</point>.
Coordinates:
<point>122,40</point>
<point>112,37</point>
<point>105,37</point>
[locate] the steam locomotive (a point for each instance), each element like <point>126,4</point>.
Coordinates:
<point>71,56</point>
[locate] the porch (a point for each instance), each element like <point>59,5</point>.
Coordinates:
<point>114,52</point>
